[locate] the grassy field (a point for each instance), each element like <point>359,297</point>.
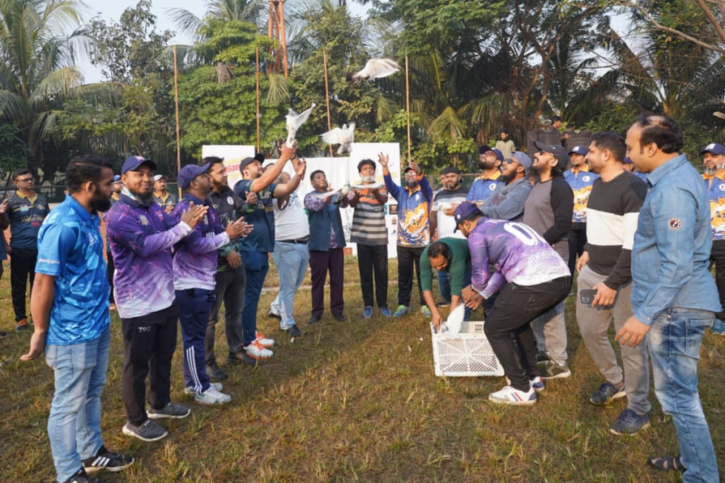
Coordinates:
<point>355,401</point>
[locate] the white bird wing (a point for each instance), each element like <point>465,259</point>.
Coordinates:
<point>324,196</point>
<point>332,137</point>
<point>375,186</point>
<point>455,321</point>
<point>302,117</point>
<point>348,135</point>
<point>378,68</point>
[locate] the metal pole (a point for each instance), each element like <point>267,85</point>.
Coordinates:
<point>178,134</point>
<point>257,68</point>
<point>407,103</point>
<point>327,97</point>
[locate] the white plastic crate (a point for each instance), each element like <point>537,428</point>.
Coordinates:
<point>468,355</point>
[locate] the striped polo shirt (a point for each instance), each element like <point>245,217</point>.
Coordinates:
<point>368,220</point>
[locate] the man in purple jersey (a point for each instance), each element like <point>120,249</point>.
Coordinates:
<point>538,279</point>
<point>195,264</point>
<point>141,236</point>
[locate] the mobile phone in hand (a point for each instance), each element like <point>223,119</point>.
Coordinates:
<point>587,296</point>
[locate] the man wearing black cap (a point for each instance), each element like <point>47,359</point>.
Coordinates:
<point>581,181</point>
<point>484,186</point>
<point>713,157</point>
<point>141,236</point>
<point>505,144</point>
<point>507,202</point>
<point>258,189</point>
<point>549,211</point>
<point>442,223</point>
<point>195,265</point>
<point>165,199</point>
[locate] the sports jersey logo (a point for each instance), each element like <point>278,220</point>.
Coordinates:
<point>674,224</point>
<point>91,239</point>
<point>710,146</point>
<point>722,187</point>
<point>586,179</point>
<point>492,186</point>
<point>230,200</point>
<point>144,221</point>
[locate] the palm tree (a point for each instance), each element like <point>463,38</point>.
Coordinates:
<point>243,10</point>
<point>37,71</point>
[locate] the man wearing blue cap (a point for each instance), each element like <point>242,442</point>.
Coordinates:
<point>142,235</point>
<point>713,157</point>
<point>258,188</point>
<point>629,166</point>
<point>195,265</point>
<point>531,278</point>
<point>507,201</point>
<point>580,180</point>
<point>484,186</point>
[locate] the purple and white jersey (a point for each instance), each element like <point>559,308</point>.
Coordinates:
<point>518,253</point>
<point>195,257</point>
<point>141,239</point>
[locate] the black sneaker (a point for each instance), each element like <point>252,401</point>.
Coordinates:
<point>148,431</point>
<point>170,411</point>
<point>105,460</point>
<point>240,357</point>
<point>542,358</point>
<point>554,370</point>
<point>294,331</point>
<point>215,373</point>
<point>82,477</point>
<point>340,317</point>
<point>314,318</point>
<point>22,325</point>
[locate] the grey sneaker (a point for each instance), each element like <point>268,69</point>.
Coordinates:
<point>215,373</point>
<point>170,411</point>
<point>629,423</point>
<point>554,370</point>
<point>148,431</point>
<point>606,393</point>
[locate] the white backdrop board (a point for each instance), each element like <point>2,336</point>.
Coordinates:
<point>232,156</point>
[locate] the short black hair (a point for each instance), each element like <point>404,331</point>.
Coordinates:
<point>662,130</point>
<point>83,169</point>
<point>211,160</point>
<point>312,174</point>
<point>503,131</point>
<point>20,172</point>
<point>439,248</point>
<point>364,162</point>
<point>612,142</point>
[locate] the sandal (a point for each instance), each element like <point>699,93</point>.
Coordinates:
<point>668,463</point>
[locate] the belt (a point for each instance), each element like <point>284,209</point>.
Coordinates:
<point>299,241</point>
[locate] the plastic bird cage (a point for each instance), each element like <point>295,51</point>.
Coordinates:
<point>467,355</point>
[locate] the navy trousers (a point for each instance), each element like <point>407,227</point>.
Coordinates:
<point>256,266</point>
<point>194,308</point>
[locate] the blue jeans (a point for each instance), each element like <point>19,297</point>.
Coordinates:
<point>291,260</point>
<point>74,424</point>
<point>444,287</point>
<point>718,327</point>
<point>674,347</point>
<point>256,266</point>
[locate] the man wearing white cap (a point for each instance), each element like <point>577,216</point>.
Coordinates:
<point>713,157</point>
<point>166,200</point>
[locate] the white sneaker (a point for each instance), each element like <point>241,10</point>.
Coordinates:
<point>255,350</point>
<point>263,341</point>
<point>509,395</point>
<point>215,385</point>
<point>537,383</point>
<point>211,396</point>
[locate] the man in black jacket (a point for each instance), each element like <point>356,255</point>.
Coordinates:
<point>548,210</point>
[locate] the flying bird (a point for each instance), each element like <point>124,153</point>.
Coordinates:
<point>328,194</point>
<point>294,121</point>
<point>344,136</point>
<point>719,114</point>
<point>374,69</point>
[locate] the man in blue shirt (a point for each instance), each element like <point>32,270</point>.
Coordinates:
<point>484,186</point>
<point>258,189</point>
<point>25,211</point>
<point>674,298</point>
<point>69,305</point>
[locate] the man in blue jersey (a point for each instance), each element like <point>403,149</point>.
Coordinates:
<point>713,158</point>
<point>484,186</point>
<point>581,180</point>
<point>538,279</point>
<point>69,304</point>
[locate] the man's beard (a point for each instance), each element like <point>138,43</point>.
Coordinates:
<point>452,187</point>
<point>411,183</point>
<point>535,174</point>
<point>99,203</point>
<point>486,165</point>
<point>710,171</point>
<point>507,178</point>
<point>145,199</point>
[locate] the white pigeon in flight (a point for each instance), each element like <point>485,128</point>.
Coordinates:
<point>375,69</point>
<point>294,121</point>
<point>344,136</point>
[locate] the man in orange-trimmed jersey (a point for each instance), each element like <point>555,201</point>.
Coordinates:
<point>580,180</point>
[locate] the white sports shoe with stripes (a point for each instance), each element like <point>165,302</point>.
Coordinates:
<point>211,397</point>
<point>105,460</point>
<point>263,341</point>
<point>509,395</point>
<point>216,385</point>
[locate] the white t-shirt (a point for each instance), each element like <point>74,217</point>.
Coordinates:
<point>291,222</point>
<point>441,201</point>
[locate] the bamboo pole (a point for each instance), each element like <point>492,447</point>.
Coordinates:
<point>407,103</point>
<point>270,28</point>
<point>327,98</point>
<point>257,69</point>
<point>283,39</point>
<point>178,135</point>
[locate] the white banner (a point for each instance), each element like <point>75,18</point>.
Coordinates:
<point>232,156</point>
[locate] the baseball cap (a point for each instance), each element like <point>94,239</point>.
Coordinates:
<point>463,211</point>
<point>522,158</point>
<point>259,157</point>
<point>409,168</point>
<point>116,178</point>
<point>484,149</point>
<point>134,162</point>
<point>451,169</point>
<point>160,176</point>
<point>558,151</point>
<point>579,150</point>
<point>627,160</point>
<point>189,172</point>
<point>714,148</point>
<point>246,162</point>
<point>498,153</point>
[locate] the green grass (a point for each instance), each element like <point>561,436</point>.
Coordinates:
<point>355,401</point>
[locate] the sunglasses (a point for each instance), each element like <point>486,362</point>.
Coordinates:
<point>510,161</point>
